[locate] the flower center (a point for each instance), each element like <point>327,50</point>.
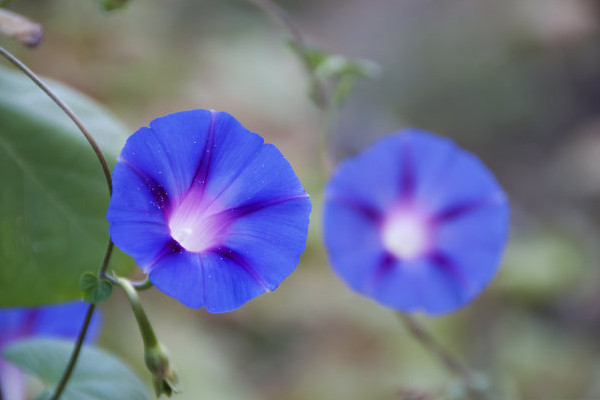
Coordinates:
<point>193,227</point>
<point>406,234</point>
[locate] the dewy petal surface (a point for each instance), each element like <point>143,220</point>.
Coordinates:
<point>417,177</point>
<point>215,215</point>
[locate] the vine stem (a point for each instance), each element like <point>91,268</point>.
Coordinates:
<point>141,285</point>
<point>419,332</point>
<point>106,170</point>
<point>321,95</point>
<point>82,332</point>
<point>67,110</point>
<point>146,329</point>
<point>279,15</point>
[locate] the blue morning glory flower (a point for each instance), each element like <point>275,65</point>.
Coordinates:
<point>415,223</point>
<point>214,215</point>
<point>55,321</point>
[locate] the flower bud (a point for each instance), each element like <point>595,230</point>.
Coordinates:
<point>163,375</point>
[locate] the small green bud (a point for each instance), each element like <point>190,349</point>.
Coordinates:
<point>163,376</point>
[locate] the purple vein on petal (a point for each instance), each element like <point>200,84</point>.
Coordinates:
<point>161,198</point>
<point>171,247</point>
<point>203,168</point>
<point>407,173</point>
<point>234,178</point>
<point>233,213</point>
<point>365,210</point>
<point>169,157</point>
<point>241,261</point>
<point>28,323</point>
<point>446,264</point>
<point>385,264</point>
<point>457,211</point>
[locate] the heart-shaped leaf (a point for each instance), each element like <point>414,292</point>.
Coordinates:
<point>54,197</point>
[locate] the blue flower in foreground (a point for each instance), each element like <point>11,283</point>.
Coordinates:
<point>214,215</point>
<point>415,223</point>
<point>56,321</point>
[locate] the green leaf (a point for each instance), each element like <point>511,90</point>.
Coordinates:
<point>311,56</point>
<point>338,66</point>
<point>94,290</point>
<point>98,375</point>
<point>333,70</point>
<point>54,197</point>
<point>111,5</point>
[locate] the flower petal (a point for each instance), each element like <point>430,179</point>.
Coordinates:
<point>180,275</point>
<point>144,241</point>
<point>169,151</point>
<point>355,254</point>
<point>454,197</point>
<point>65,321</point>
<point>451,178</point>
<point>234,148</point>
<point>133,200</point>
<point>271,239</point>
<point>373,179</point>
<point>229,281</point>
<point>195,195</point>
<point>267,178</point>
<point>446,287</point>
<point>475,241</point>
<point>397,284</point>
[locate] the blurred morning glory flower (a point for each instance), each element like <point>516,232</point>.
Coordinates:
<point>415,223</point>
<point>214,215</point>
<point>56,321</point>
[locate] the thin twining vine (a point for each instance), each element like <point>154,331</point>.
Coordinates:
<point>67,110</point>
<point>331,76</point>
<point>102,272</point>
<point>475,389</point>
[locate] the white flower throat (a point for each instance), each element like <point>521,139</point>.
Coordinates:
<point>406,234</point>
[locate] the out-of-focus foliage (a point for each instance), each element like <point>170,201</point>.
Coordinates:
<point>54,195</point>
<point>98,376</point>
<point>332,72</point>
<point>110,5</point>
<point>515,81</point>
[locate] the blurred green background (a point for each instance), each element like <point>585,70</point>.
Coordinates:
<point>515,81</point>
